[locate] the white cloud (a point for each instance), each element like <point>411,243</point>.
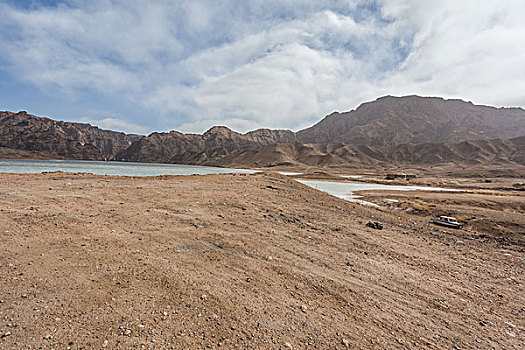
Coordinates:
<point>280,64</point>
<point>467,49</point>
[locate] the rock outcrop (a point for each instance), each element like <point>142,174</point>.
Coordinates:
<point>209,148</point>
<point>389,131</point>
<point>57,139</point>
<point>392,121</point>
<point>494,152</point>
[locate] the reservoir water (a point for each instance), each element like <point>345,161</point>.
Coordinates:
<point>345,190</point>
<point>110,168</point>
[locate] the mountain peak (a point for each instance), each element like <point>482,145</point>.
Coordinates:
<point>219,129</point>
<point>390,121</point>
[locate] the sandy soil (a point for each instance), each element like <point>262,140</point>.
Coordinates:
<point>240,261</point>
<point>487,215</point>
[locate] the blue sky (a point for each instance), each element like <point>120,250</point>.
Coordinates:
<point>143,66</point>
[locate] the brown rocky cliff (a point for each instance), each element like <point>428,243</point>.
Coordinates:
<point>58,139</point>
<point>509,152</point>
<point>215,144</point>
<point>391,121</point>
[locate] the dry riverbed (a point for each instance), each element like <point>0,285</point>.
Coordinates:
<point>240,261</point>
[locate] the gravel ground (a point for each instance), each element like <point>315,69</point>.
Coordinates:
<point>240,262</point>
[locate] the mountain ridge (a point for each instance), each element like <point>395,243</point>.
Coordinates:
<point>389,130</point>
<point>60,139</point>
<point>391,121</point>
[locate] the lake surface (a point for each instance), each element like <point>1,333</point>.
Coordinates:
<point>110,168</point>
<point>345,190</point>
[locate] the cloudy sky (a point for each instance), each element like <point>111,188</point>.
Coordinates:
<point>143,66</point>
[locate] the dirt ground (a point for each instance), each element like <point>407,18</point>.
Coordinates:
<point>486,215</point>
<point>241,262</point>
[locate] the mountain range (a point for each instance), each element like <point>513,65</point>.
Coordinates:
<point>408,130</point>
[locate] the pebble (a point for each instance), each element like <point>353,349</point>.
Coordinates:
<point>345,342</point>
<point>288,345</point>
<point>127,332</point>
<point>105,343</point>
<point>303,308</point>
<point>48,336</point>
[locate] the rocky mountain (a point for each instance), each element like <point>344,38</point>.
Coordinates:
<point>467,153</point>
<point>392,121</point>
<point>44,137</point>
<point>391,130</point>
<point>217,143</point>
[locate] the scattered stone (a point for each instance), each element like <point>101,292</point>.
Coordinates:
<point>127,332</point>
<point>288,345</point>
<point>6,334</point>
<point>345,342</point>
<point>349,264</point>
<point>105,343</point>
<point>48,337</point>
<point>303,308</point>
<point>375,225</point>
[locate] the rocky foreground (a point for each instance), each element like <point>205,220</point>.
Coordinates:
<point>240,261</point>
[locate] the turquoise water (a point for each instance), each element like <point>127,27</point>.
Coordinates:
<point>345,190</point>
<point>110,168</point>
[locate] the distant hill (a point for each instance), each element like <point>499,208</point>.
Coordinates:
<point>391,121</point>
<point>407,130</point>
<point>45,137</point>
<point>467,153</point>
<point>217,143</point>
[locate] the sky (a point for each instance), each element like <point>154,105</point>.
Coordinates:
<point>143,66</point>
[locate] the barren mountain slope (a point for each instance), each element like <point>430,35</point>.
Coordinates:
<point>58,139</point>
<point>389,130</point>
<point>390,121</point>
<point>475,152</point>
<point>213,145</point>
